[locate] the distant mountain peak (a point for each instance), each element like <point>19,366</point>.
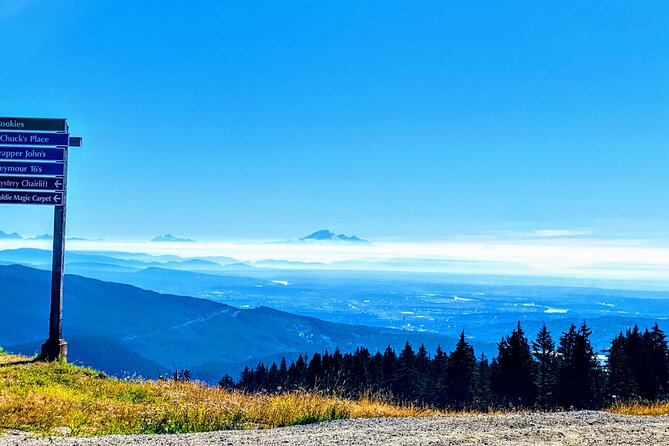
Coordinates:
<point>171,238</point>
<point>42,237</point>
<point>13,236</point>
<point>325,235</point>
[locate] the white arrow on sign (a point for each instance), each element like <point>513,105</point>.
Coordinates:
<point>56,198</point>
<point>58,183</point>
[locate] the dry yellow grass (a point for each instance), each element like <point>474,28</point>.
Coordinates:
<point>46,397</point>
<point>636,408</point>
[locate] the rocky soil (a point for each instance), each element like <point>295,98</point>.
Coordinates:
<point>574,428</point>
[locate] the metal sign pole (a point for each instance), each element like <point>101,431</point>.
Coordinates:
<point>55,347</point>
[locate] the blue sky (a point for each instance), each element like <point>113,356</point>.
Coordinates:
<point>386,119</point>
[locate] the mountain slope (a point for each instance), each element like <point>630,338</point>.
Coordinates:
<point>12,236</point>
<point>163,331</point>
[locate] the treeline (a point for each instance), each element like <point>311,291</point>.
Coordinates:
<point>538,373</point>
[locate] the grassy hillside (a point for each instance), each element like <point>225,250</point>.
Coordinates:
<point>60,398</point>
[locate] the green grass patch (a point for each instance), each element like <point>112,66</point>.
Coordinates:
<point>58,398</point>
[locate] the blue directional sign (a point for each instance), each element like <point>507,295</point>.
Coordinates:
<point>31,183</point>
<point>32,124</point>
<point>34,139</point>
<point>19,168</point>
<point>43,198</point>
<point>31,154</point>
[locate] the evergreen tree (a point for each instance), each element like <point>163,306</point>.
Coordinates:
<point>376,373</point>
<point>422,375</point>
<point>346,373</point>
<point>621,383</point>
<point>484,398</point>
<point>543,349</point>
<point>514,378</point>
<point>404,386</point>
<point>314,371</point>
<point>337,374</point>
<point>282,378</point>
<point>244,379</point>
<point>226,382</point>
<point>389,369</point>
<point>637,357</point>
<point>638,366</point>
<point>579,377</point>
<point>325,382</point>
<point>571,377</point>
<point>438,377</point>
<point>461,378</point>
<point>300,373</point>
<point>272,378</point>
<point>360,378</point>
<point>658,363</point>
<point>260,377</point>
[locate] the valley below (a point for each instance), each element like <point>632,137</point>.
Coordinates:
<point>149,315</point>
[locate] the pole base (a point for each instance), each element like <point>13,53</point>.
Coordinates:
<point>52,350</point>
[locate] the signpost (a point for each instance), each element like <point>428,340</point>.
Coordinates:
<point>18,168</point>
<point>31,154</point>
<point>33,170</point>
<point>35,139</point>
<point>53,198</point>
<point>33,124</point>
<point>31,183</point>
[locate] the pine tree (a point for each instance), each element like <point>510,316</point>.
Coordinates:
<point>438,377</point>
<point>299,377</point>
<point>543,349</point>
<point>461,381</point>
<point>579,378</point>
<point>514,378</point>
<point>337,374</point>
<point>291,377</point>
<point>314,371</point>
<point>327,380</point>
<point>376,373</point>
<point>637,355</point>
<point>389,369</point>
<point>621,384</point>
<point>484,397</point>
<point>638,365</point>
<point>360,378</point>
<point>659,362</point>
<point>272,378</point>
<point>404,385</point>
<point>282,378</point>
<point>422,375</point>
<point>226,382</point>
<point>346,373</point>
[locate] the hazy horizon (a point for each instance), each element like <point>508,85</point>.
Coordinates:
<point>612,263</point>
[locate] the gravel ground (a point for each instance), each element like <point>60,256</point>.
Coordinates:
<point>574,428</point>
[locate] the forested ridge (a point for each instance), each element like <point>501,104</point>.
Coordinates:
<point>539,373</point>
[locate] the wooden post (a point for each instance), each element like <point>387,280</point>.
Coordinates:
<point>55,347</point>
